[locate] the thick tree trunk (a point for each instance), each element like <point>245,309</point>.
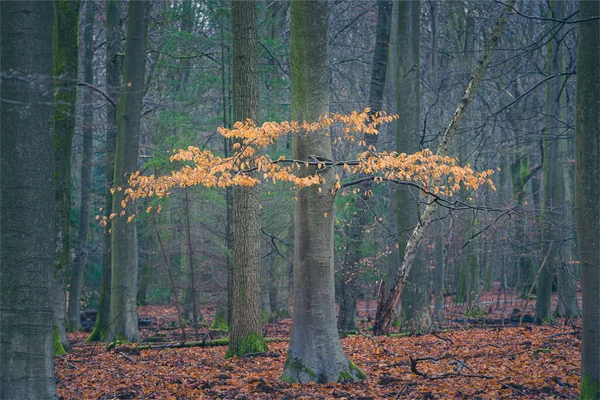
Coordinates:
<point>27,196</point>
<point>66,50</point>
<point>587,192</point>
<point>74,310</point>
<point>113,81</point>
<point>123,311</point>
<point>315,352</point>
<point>385,307</point>
<point>246,328</point>
<point>353,256</point>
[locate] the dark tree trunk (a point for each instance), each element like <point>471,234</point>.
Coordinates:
<point>27,161</point>
<point>587,192</point>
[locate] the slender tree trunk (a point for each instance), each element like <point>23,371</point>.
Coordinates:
<point>246,328</point>
<point>27,196</point>
<point>415,299</point>
<point>66,50</point>
<point>587,192</point>
<point>553,201</point>
<point>74,310</point>
<point>385,308</point>
<point>353,256</point>
<point>315,352</point>
<point>123,311</point>
<point>113,83</point>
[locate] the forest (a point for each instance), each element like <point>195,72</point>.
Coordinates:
<point>264,199</point>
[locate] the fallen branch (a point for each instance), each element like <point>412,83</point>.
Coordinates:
<point>202,343</point>
<point>413,368</point>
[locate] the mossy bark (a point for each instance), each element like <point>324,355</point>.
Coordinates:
<point>27,162</point>
<point>314,338</point>
<point>65,52</point>
<point>123,311</point>
<point>587,192</point>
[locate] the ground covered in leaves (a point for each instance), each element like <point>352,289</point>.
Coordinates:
<point>463,360</point>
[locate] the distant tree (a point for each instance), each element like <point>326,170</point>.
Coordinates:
<point>587,191</point>
<point>81,257</point>
<point>65,51</point>
<point>113,83</point>
<point>123,311</point>
<point>28,200</point>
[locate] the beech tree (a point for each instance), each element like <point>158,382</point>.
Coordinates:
<point>587,191</point>
<point>28,200</point>
<point>123,311</point>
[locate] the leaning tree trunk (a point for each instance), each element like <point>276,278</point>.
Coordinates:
<point>415,299</point>
<point>123,312</point>
<point>74,310</point>
<point>66,50</point>
<point>246,328</point>
<point>315,352</point>
<point>28,201</point>
<point>587,192</point>
<point>113,80</point>
<point>387,304</point>
<point>353,256</point>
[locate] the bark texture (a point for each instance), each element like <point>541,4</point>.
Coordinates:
<point>385,307</point>
<point>65,52</point>
<point>246,328</point>
<point>315,352</point>
<point>587,192</point>
<point>74,310</point>
<point>123,312</point>
<point>28,202</point>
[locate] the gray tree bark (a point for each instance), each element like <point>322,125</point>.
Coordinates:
<point>315,352</point>
<point>66,50</point>
<point>74,309</point>
<point>123,311</point>
<point>27,196</point>
<point>113,82</point>
<point>246,328</point>
<point>587,192</point>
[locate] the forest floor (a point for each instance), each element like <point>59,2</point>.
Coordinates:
<point>486,356</point>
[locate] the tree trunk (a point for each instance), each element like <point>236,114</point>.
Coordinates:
<point>123,311</point>
<point>587,192</point>
<point>415,300</point>
<point>28,200</point>
<point>66,50</point>
<point>553,201</point>
<point>385,307</point>
<point>113,82</point>
<point>74,310</point>
<point>315,352</point>
<point>353,256</point>
<point>246,328</point>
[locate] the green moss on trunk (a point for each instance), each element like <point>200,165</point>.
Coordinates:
<point>590,388</point>
<point>252,343</point>
<point>57,347</point>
